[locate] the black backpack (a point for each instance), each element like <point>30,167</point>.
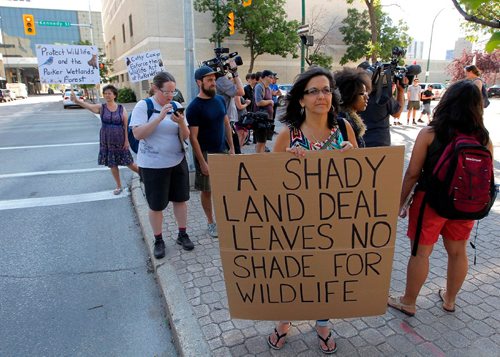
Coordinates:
<point>133,142</point>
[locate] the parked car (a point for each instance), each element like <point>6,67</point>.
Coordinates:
<point>67,102</point>
<point>7,95</point>
<point>493,91</point>
<point>284,88</point>
<point>437,88</point>
<point>19,89</point>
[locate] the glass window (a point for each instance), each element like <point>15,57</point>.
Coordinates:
<point>123,32</point>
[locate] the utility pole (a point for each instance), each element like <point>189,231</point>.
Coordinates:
<point>191,87</point>
<point>302,46</point>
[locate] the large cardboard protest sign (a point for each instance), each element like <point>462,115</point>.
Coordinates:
<point>307,238</point>
<point>68,64</point>
<point>144,65</point>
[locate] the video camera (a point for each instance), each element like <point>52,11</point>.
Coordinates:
<point>386,73</point>
<point>219,63</point>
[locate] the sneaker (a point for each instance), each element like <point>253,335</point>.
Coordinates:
<point>183,239</point>
<point>414,123</point>
<point>212,230</point>
<point>159,251</point>
<point>420,121</point>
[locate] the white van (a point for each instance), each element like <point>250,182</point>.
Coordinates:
<point>18,88</point>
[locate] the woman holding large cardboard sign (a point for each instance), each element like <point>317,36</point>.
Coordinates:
<point>114,146</point>
<point>312,124</point>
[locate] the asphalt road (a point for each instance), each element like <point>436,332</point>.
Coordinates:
<point>74,272</point>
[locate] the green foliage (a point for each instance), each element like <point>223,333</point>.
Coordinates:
<point>263,25</point>
<point>321,60</point>
<point>358,37</point>
<point>126,95</point>
<point>482,19</point>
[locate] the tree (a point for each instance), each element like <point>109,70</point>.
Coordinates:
<point>482,17</point>
<point>371,34</point>
<point>264,26</point>
<point>321,27</point>
<point>487,63</point>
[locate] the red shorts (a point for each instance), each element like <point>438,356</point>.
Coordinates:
<point>433,224</point>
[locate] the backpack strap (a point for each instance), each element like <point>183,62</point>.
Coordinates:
<point>419,225</point>
<point>151,107</point>
<point>343,129</point>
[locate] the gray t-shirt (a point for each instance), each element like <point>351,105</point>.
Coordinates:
<point>162,149</point>
<point>414,93</point>
<point>227,89</point>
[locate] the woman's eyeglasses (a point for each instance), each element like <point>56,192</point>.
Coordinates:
<point>315,91</point>
<point>166,92</point>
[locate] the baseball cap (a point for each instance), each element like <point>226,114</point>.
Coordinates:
<point>267,73</point>
<point>203,71</point>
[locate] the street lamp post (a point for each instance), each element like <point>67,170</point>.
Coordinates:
<point>302,46</point>
<point>430,44</point>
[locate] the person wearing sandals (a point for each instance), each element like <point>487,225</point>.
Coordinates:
<point>113,146</point>
<point>312,124</point>
<point>161,159</point>
<point>354,85</point>
<point>459,110</point>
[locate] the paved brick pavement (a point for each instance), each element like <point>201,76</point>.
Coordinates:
<point>194,290</point>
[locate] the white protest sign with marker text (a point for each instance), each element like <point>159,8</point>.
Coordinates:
<point>68,64</point>
<point>144,65</point>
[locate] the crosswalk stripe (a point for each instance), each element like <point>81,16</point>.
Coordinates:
<point>55,172</point>
<point>46,146</point>
<point>61,200</point>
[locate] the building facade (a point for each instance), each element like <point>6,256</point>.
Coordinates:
<point>18,57</point>
<point>135,26</point>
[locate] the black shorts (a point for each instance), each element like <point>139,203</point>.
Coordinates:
<point>165,185</point>
<point>262,135</point>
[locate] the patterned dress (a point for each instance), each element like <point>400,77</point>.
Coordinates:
<point>112,139</point>
<point>298,139</point>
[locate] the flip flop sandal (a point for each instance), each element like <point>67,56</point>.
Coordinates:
<point>328,351</point>
<point>395,303</point>
<point>441,293</point>
<point>275,346</point>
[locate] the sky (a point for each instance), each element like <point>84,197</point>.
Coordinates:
<point>419,16</point>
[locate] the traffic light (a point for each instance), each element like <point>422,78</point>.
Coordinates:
<point>230,22</point>
<point>247,3</point>
<point>29,24</point>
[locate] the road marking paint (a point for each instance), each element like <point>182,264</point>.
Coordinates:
<point>56,172</point>
<point>61,200</point>
<point>46,146</point>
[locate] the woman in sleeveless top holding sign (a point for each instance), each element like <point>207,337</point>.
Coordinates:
<point>459,111</point>
<point>113,146</point>
<point>312,124</point>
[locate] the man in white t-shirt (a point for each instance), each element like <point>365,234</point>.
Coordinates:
<point>413,94</point>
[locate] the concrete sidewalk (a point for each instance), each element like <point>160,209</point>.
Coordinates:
<point>193,286</point>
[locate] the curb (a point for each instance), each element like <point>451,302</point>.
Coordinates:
<point>186,331</point>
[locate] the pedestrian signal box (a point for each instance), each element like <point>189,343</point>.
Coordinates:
<point>230,22</point>
<point>29,24</point>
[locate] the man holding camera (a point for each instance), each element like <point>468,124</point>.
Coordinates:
<point>209,131</point>
<point>377,114</point>
<point>263,103</point>
<point>228,88</point>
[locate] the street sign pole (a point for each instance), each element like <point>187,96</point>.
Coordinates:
<point>302,46</point>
